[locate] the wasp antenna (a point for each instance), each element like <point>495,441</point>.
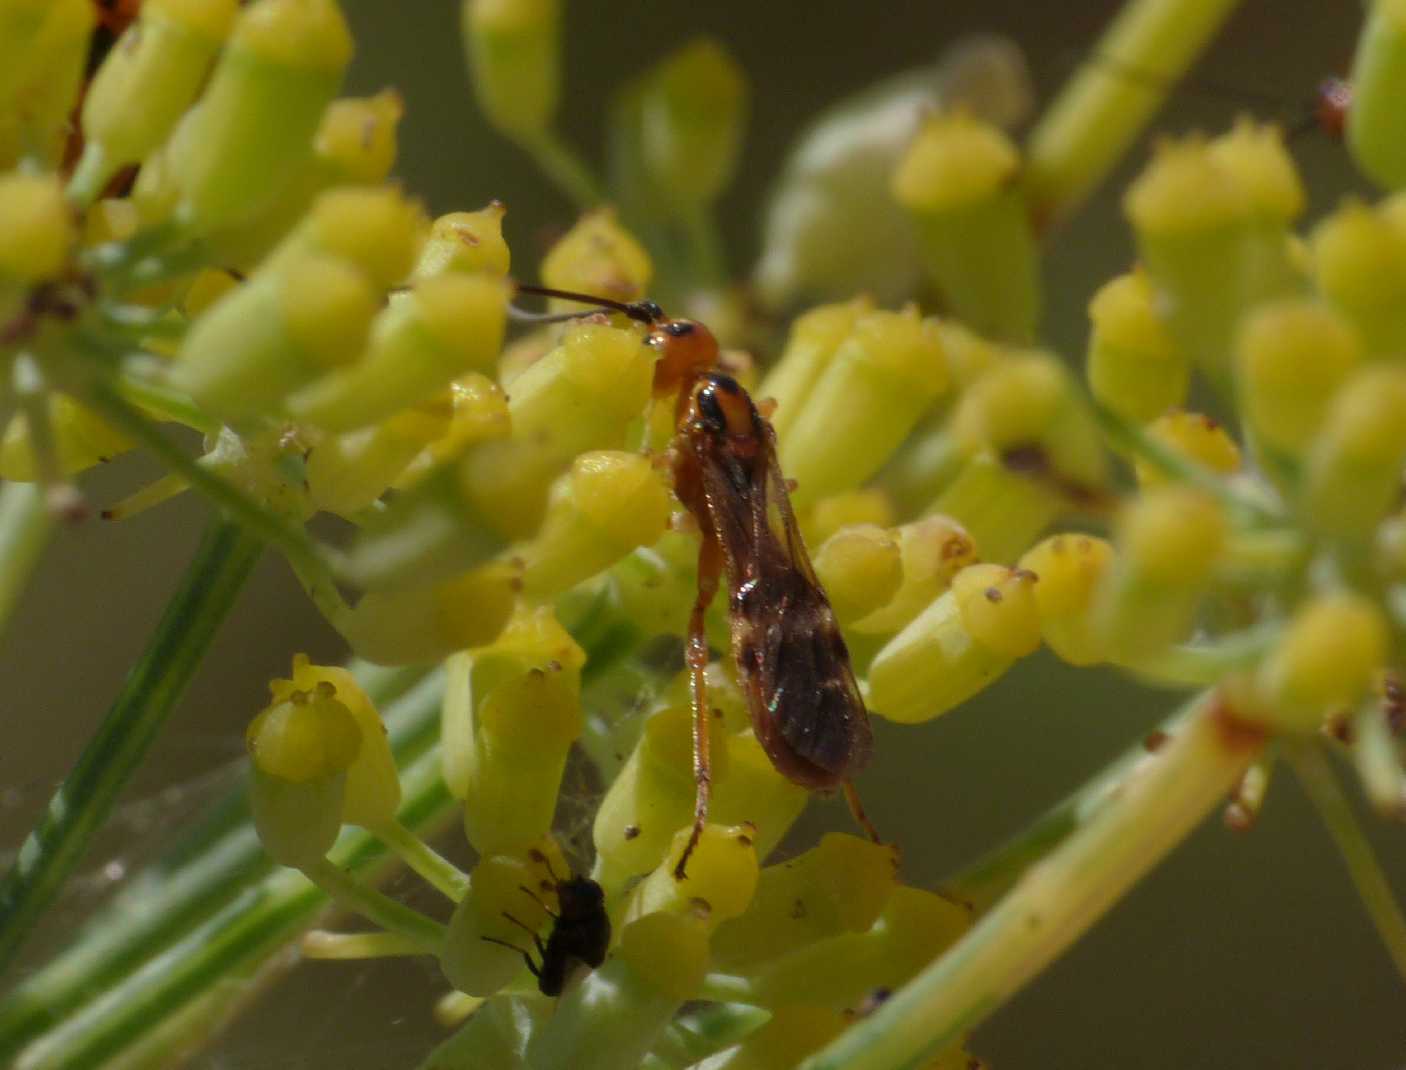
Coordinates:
<point>641,311</point>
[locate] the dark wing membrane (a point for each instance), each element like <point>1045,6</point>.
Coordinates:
<point>805,704</point>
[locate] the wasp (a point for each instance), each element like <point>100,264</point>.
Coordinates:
<point>791,659</point>
<point>580,930</point>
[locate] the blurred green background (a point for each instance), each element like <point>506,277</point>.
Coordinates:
<point>1241,951</point>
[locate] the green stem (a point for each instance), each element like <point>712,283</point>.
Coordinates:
<point>165,986</point>
<point>565,169</point>
<point>390,915</point>
<point>205,596</point>
<point>441,873</point>
<point>706,261</point>
<point>1156,805</point>
<point>220,857</point>
<point>1322,787</point>
<point>24,532</point>
<point>1136,440</point>
<point>1100,112</point>
<point>1196,665</point>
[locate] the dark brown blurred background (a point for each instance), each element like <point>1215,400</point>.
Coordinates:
<point>1241,951</point>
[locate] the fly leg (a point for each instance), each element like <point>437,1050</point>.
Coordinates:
<point>709,571</point>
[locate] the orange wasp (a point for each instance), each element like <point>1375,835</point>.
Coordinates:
<point>791,660</point>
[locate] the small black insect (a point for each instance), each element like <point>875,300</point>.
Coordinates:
<point>580,931</point>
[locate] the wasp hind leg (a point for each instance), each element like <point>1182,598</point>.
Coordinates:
<point>709,571</point>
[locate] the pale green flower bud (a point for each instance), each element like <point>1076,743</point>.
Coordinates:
<point>147,81</point>
<point>959,182</point>
<point>253,126</point>
<point>882,377</point>
<point>1134,366</point>
<point>1376,135</point>
<point>514,54</point>
<point>965,640</point>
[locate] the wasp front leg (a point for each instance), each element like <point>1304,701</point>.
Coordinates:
<point>710,564</point>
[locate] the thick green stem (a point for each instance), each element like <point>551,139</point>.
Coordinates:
<point>1055,901</point>
<point>219,859</point>
<point>164,1000</point>
<point>1322,787</point>
<point>24,532</point>
<point>1108,102</point>
<point>205,596</point>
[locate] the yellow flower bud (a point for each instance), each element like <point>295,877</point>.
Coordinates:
<point>580,396</point>
<point>838,886</point>
<point>1134,366</point>
<point>1198,438</point>
<point>721,877</point>
<point>514,54</point>
<point>466,241</point>
<point>839,972</point>
<point>1030,404</point>
<point>863,505</point>
<point>301,748</point>
<point>373,782</point>
<point>1254,156</point>
<point>882,377</point>
<point>1292,358</point>
<point>1192,220</point>
<point>374,228</point>
<point>652,796</point>
<point>356,141</point>
<point>1169,541</point>
<point>406,625</point>
<point>347,473</point>
<point>753,792</point>
<point>599,257</point>
<point>474,965</point>
<point>810,346</point>
<point>608,504</point>
<point>1070,568</point>
<point>860,568</point>
<point>1002,510</point>
<point>965,640</point>
<point>148,79</point>
<point>667,951</point>
<point>254,125</point>
<point>958,181</point>
<point>1325,663</point>
<point>37,228</point>
<point>81,440</point>
<point>444,328</point>
<point>273,334</point>
<point>1353,477</point>
<point>931,551</point>
<point>523,729</point>
<point>1359,265</point>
